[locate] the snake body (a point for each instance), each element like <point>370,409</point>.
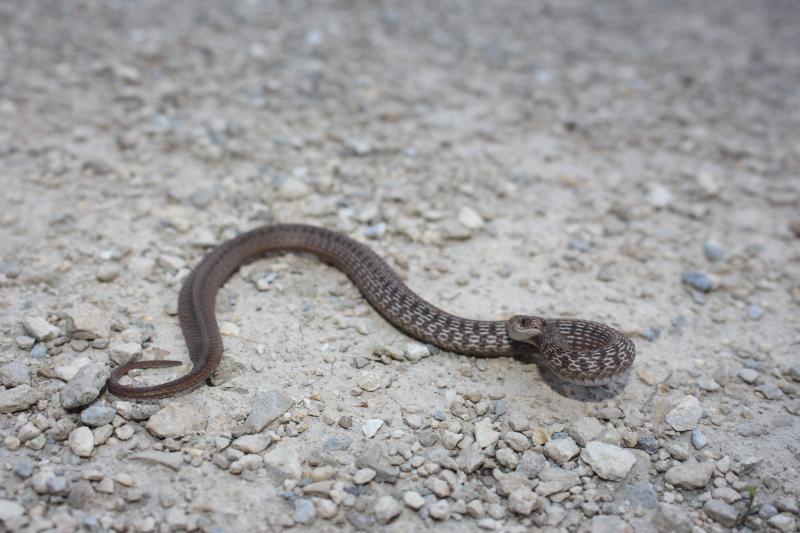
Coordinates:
<point>580,351</point>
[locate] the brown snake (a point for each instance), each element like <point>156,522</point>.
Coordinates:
<point>580,351</point>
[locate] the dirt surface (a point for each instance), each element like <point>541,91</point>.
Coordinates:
<point>635,164</point>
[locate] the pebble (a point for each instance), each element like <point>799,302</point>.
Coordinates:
<point>658,195</point>
<point>561,450</point>
<point>267,407</point>
<point>39,328</point>
<point>370,381</point>
<point>124,352</point>
<point>415,351</point>
<point>173,460</point>
<point>783,522</point>
<point>708,384</point>
<point>39,351</point>
<point>607,524</point>
<point>98,415</point>
<point>608,461</point>
<point>252,443</point>
<point>485,436</point>
<point>25,342</point>
<point>17,398</point>
<point>304,511</point>
<point>713,252</point>
<point>690,475</point>
<point>86,321</point>
<point>387,509</point>
<point>748,375</point>
<point>721,512</point>
<point>586,429</point>
<point>11,513</point>
<point>470,219</point>
<point>523,501</point>
<point>85,386</point>
<point>755,312</point>
<point>439,510</point>
<point>364,476</point>
<point>293,189</point>
<point>698,280</point>
<point>249,461</point>
<point>699,441</point>
<point>371,427</point>
<point>14,374</point>
<point>413,500</point>
<point>107,272</point>
<point>81,441</point>
<point>686,414</point>
<point>176,420</point>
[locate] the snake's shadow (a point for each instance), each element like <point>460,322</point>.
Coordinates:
<point>594,394</point>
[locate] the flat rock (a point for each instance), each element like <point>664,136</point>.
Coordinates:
<point>485,436</point>
<point>173,460</point>
<point>252,443</point>
<point>85,386</point>
<point>586,429</point>
<point>10,512</point>
<point>267,407</point>
<point>87,321</point>
<point>14,374</point>
<point>67,367</point>
<point>561,450</point>
<point>690,475</point>
<point>39,328</point>
<point>98,415</point>
<point>124,352</point>
<point>17,399</point>
<point>387,509</point>
<point>608,461</point>
<point>371,427</point>
<point>606,524</point>
<point>176,420</point>
<point>685,415</point>
<point>721,512</point>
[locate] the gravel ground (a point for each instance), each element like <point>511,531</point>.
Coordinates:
<point>635,164</point>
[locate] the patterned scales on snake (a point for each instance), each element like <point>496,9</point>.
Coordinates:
<point>580,351</point>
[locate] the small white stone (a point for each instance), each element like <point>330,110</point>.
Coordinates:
<point>685,415</point>
<point>371,427</point>
<point>176,420</point>
<point>608,461</point>
<point>387,509</point>
<point>39,328</point>
<point>124,352</point>
<point>469,218</point>
<point>413,499</point>
<point>658,195</point>
<point>415,351</point>
<point>81,441</point>
<point>293,189</point>
<point>485,436</point>
<point>229,329</point>
<point>252,443</point>
<point>363,476</point>
<point>561,450</point>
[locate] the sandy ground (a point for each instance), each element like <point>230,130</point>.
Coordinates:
<point>635,164</point>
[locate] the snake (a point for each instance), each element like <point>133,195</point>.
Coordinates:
<point>578,351</point>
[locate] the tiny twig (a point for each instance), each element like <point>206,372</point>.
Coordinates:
<point>748,510</point>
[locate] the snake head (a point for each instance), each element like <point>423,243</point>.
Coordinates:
<point>525,328</point>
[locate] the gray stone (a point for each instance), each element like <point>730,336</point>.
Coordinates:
<point>523,501</point>
<point>176,420</point>
<point>86,321</point>
<point>607,524</point>
<point>507,458</point>
<point>648,444</point>
<point>586,429</point>
<point>556,479</point>
<point>85,386</point>
<point>370,427</point>
<point>387,509</point>
<point>686,414</point>
<point>561,450</point>
<point>268,407</point>
<point>721,512</point>
<point>124,352</point>
<point>699,441</point>
<point>81,441</point>
<point>173,460</point>
<point>697,280</point>
<point>783,522</point>
<point>471,459</point>
<point>14,374</point>
<point>10,512</point>
<point>413,500</point>
<point>439,510</point>
<point>669,518</point>
<point>80,494</point>
<point>252,443</point>
<point>748,375</point>
<point>415,351</point>
<point>304,511</point>
<point>531,463</point>
<point>608,461</point>
<point>485,436</point>
<point>98,415</point>
<point>17,399</point>
<point>39,328</point>
<point>690,475</point>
